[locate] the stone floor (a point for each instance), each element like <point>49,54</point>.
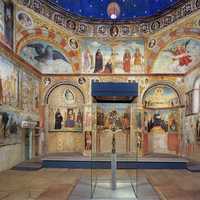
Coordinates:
<point>57,184</point>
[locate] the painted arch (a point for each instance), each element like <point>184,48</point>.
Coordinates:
<point>178,57</point>
<point>161,96</point>
<point>48,52</point>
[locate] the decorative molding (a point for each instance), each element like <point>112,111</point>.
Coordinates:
<point>83,26</point>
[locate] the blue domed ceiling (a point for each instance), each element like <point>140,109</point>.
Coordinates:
<point>130,9</point>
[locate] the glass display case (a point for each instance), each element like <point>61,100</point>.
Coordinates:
<point>114,151</point>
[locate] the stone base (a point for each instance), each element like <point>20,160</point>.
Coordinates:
<point>100,189</point>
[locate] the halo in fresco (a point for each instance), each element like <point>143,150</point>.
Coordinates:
<point>46,58</point>
<point>120,57</point>
<point>24,19</point>
<point>161,96</point>
<point>178,57</point>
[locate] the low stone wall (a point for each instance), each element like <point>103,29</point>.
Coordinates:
<point>10,155</point>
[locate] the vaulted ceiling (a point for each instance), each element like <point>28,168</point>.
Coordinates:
<point>130,9</point>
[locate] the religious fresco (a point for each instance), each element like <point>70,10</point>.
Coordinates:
<point>46,58</point>
<point>179,57</point>
<point>30,93</point>
<point>113,118</point>
<point>138,119</point>
<point>161,96</point>
<point>9,22</point>
<point>8,83</point>
<point>66,119</point>
<point>9,127</point>
<point>2,22</point>
<point>88,118</point>
<point>121,57</point>
<point>24,19</point>
<point>161,121</point>
<point>191,130</point>
<point>88,140</point>
<point>6,23</point>
<point>66,112</point>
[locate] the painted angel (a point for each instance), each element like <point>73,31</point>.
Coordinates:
<point>181,53</point>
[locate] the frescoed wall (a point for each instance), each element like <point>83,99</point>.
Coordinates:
<point>2,22</point>
<point>112,117</point>
<point>161,96</point>
<point>19,100</point>
<point>24,19</point>
<point>6,23</point>
<point>75,57</point>
<point>8,83</point>
<point>30,93</point>
<point>162,121</point>
<point>112,58</point>
<point>65,118</point>
<point>178,57</point>
<point>46,58</point>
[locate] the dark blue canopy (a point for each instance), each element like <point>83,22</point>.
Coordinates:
<point>109,91</point>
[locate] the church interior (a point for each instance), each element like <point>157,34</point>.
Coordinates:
<point>99,99</point>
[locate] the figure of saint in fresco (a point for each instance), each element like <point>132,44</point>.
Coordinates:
<point>70,119</point>
<point>108,67</point>
<point>88,140</point>
<point>114,120</point>
<point>79,118</point>
<point>198,129</point>
<point>87,60</point>
<point>125,121</point>
<point>114,31</point>
<point>9,24</point>
<point>1,91</point>
<point>58,119</point>
<point>69,97</point>
<point>98,61</point>
<point>180,53</point>
<point>138,59</point>
<point>24,19</point>
<point>127,61</point>
<point>100,118</point>
<point>73,43</point>
<point>172,122</point>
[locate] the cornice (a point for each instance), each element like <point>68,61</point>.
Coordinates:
<point>103,28</point>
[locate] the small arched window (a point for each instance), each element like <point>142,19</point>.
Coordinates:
<point>196,96</point>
